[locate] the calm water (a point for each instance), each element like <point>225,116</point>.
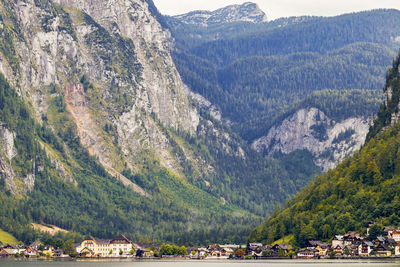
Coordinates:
<point>272,263</point>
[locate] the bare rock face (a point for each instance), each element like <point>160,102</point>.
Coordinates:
<point>17,185</point>
<point>7,143</point>
<point>108,62</point>
<point>124,53</point>
<point>160,79</point>
<point>310,129</point>
<point>7,152</point>
<point>247,12</point>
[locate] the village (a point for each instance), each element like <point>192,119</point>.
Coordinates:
<point>350,245</point>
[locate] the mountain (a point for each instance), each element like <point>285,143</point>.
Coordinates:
<point>246,12</point>
<point>363,188</point>
<point>327,123</point>
<point>100,136</point>
<point>255,74</point>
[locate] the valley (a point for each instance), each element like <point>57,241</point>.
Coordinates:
<point>190,129</point>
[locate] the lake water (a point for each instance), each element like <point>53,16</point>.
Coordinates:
<point>205,263</point>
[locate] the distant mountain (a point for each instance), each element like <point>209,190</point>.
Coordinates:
<point>247,12</point>
<point>363,188</point>
<point>256,73</point>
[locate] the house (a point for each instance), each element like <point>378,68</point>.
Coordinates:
<point>120,245</point>
<point>323,249</point>
<point>307,253</point>
<point>380,240</point>
<point>365,248</point>
<point>87,253</point>
<point>396,235</point>
<point>254,247</point>
<point>5,253</point>
<point>35,245</point>
<point>215,253</point>
<point>202,253</point>
<point>388,231</point>
<point>48,251</point>
<point>31,252</point>
<point>352,238</point>
<point>352,250</point>
<point>280,248</point>
<point>339,249</point>
<point>397,250</point>
<point>12,249</point>
<point>382,250</point>
<point>226,252</point>
<point>77,247</point>
<point>59,253</point>
<point>116,247</point>
<point>337,240</point>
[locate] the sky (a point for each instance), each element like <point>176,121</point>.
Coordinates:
<point>279,8</point>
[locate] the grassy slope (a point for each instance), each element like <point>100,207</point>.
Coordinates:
<point>7,238</point>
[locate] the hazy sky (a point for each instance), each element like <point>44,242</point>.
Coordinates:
<point>279,8</point>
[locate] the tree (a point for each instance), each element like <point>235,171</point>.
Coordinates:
<point>306,233</point>
<point>111,252</point>
<point>121,252</point>
<point>326,231</point>
<point>155,251</point>
<point>240,253</point>
<point>69,247</point>
<point>374,232</point>
<point>332,255</point>
<point>182,251</point>
<point>290,253</point>
<point>165,249</point>
<point>132,251</point>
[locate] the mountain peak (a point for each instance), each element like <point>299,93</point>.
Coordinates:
<point>246,12</point>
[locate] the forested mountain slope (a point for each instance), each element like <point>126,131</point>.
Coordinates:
<point>363,188</point>
<point>100,136</point>
<point>256,72</point>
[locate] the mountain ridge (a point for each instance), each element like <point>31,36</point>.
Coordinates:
<point>269,69</point>
<point>246,12</point>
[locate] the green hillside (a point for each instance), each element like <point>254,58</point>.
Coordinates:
<point>363,188</point>
<point>6,238</point>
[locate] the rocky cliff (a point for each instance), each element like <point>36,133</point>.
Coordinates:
<point>310,129</point>
<point>247,12</point>
<point>121,52</point>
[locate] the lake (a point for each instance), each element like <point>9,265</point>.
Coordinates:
<point>205,263</point>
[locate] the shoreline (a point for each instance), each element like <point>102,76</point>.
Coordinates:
<point>172,259</point>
